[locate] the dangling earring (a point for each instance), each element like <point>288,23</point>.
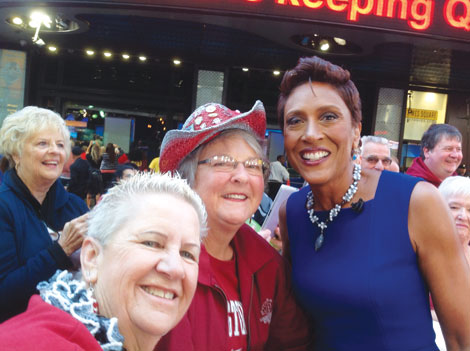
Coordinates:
<point>91,289</point>
<point>93,300</point>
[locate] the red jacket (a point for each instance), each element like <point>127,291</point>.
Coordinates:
<point>265,288</point>
<point>44,327</point>
<point>419,169</point>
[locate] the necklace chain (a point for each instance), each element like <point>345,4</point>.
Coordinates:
<point>335,210</point>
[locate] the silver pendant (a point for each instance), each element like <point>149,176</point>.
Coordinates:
<point>319,242</point>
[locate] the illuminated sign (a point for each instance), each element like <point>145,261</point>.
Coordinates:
<point>436,18</point>
<point>417,13</point>
<point>79,124</point>
<point>416,113</point>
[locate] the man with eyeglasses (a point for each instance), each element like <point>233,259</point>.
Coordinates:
<point>375,153</point>
<point>441,154</point>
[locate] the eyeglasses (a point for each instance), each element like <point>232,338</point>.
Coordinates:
<point>386,161</point>
<point>223,163</point>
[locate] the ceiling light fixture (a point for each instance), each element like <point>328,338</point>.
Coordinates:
<point>177,62</point>
<point>245,69</point>
<point>90,52</point>
<point>326,44</point>
<point>125,56</point>
<point>52,48</point>
<point>276,72</point>
<point>142,58</point>
<point>37,20</point>
<point>107,54</point>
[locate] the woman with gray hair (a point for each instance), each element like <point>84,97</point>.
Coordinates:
<point>139,273</point>
<point>38,218</point>
<point>456,192</point>
<point>244,299</point>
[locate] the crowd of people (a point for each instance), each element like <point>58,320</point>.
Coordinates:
<point>104,256</point>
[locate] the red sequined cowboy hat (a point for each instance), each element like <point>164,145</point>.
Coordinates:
<point>204,123</point>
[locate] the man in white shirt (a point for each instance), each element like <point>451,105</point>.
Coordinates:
<point>277,176</point>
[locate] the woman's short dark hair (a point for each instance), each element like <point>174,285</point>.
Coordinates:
<point>434,135</point>
<point>315,69</point>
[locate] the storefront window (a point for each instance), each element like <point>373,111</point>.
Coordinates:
<point>210,87</point>
<point>388,116</point>
<point>422,110</point>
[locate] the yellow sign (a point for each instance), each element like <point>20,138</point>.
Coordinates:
<point>421,114</point>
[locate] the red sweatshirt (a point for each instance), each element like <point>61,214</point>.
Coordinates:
<point>273,319</point>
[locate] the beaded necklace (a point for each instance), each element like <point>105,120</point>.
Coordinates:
<point>335,210</point>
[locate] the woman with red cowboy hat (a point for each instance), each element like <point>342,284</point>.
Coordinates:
<point>243,300</point>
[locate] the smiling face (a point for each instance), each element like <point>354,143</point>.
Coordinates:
<point>375,156</point>
<point>444,158</point>
<point>42,160</point>
<point>146,275</point>
<point>319,134</point>
<point>460,208</point>
<point>230,197</point>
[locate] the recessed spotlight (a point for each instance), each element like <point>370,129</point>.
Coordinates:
<point>17,20</point>
<point>324,45</point>
<point>245,69</point>
<point>276,72</point>
<point>176,62</point>
<point>52,48</point>
<point>90,52</point>
<point>142,58</point>
<point>107,54</point>
<point>125,56</point>
<point>340,41</point>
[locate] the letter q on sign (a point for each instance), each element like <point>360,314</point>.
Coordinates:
<point>457,13</point>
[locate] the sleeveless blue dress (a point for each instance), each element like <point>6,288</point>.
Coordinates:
<point>363,289</point>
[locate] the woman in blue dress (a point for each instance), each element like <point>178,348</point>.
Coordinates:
<point>366,247</point>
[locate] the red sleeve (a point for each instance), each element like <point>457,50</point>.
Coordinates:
<point>290,329</point>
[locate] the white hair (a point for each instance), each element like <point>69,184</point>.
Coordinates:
<point>455,186</point>
<point>373,139</point>
<point>21,125</point>
<point>115,207</point>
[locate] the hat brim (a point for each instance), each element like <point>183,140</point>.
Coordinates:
<point>177,144</point>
